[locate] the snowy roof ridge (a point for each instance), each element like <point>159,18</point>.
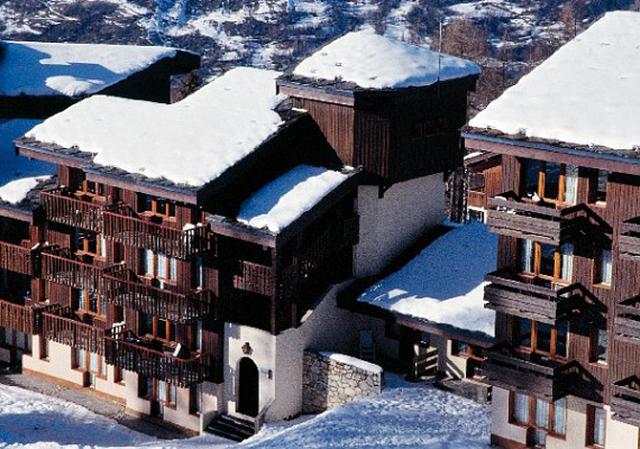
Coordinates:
<point>70,69</point>
<point>373,61</point>
<point>189,143</point>
<point>586,94</point>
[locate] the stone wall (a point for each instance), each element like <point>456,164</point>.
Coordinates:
<point>334,379</point>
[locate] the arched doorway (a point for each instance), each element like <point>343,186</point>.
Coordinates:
<point>248,387</point>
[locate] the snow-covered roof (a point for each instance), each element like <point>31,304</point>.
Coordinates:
<point>18,175</point>
<point>373,61</point>
<point>353,361</point>
<point>43,68</point>
<point>445,282</point>
<point>586,93</point>
<point>190,142</point>
<point>281,201</point>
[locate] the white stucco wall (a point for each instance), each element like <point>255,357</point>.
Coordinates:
<point>389,224</point>
<point>500,418</point>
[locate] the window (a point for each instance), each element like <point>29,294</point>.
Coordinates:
<point>89,302</point>
<point>154,389</point>
<point>152,206</point>
<point>91,362</point>
<point>157,327</point>
<point>604,267</point>
<point>600,346</point>
<point>91,244</point>
<point>159,266</point>
<point>545,417</point>
<point>595,426</point>
<point>598,187</point>
<point>545,261</point>
<point>90,189</point>
<point>117,375</point>
<point>550,181</point>
<point>16,339</point>
<point>541,337</point>
<point>195,399</point>
<point>44,349</point>
<point>463,349</point>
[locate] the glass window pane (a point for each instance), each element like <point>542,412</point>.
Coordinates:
<point>598,426</point>
<point>173,267</point>
<point>602,349</point>
<point>531,176</point>
<point>560,416</point>
<point>523,332</point>
<point>542,413</point>
<point>148,262</point>
<point>601,192</point>
<point>521,408</point>
<point>162,266</point>
<point>162,390</point>
<point>562,335</point>
<point>566,262</point>
<point>605,266</point>
<point>551,180</point>
<point>526,256</point>
<point>543,341</point>
<point>547,259</point>
<point>571,184</point>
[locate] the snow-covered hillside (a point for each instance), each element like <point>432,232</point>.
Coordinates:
<point>276,33</point>
<point>404,416</point>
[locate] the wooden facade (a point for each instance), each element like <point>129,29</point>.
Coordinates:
<point>591,227</point>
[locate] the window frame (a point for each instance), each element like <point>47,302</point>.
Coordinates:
<point>154,394</point>
<point>533,347</point>
<point>594,345</point>
<point>100,366</point>
<point>532,412</point>
<point>170,263</point>
<point>598,266</point>
<point>149,207</point>
<point>169,328</point>
<point>84,305</point>
<point>537,263</point>
<point>542,178</point>
<point>591,427</point>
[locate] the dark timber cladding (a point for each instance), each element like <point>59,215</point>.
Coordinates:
<point>585,303</point>
<point>396,134</point>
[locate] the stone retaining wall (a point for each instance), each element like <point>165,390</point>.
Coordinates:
<point>330,381</point>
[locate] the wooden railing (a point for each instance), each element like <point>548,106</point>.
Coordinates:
<point>61,207</point>
<point>70,272</point>
<point>512,216</point>
<point>629,239</point>
<point>254,277</point>
<point>626,325</point>
<point>128,352</point>
<point>64,327</point>
<point>625,400</point>
<point>123,288</point>
<point>521,296</point>
<point>16,258</point>
<point>20,318</point>
<point>124,226</point>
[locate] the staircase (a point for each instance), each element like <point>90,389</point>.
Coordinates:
<point>230,427</point>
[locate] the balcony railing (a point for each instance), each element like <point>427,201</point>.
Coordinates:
<point>20,318</point>
<point>150,358</point>
<point>629,239</point>
<point>16,258</point>
<point>125,226</point>
<point>625,400</point>
<point>527,373</point>
<point>65,270</point>
<point>509,215</point>
<point>124,288</point>
<point>63,326</point>
<point>528,297</point>
<point>62,207</point>
<point>254,277</point>
<point>626,323</point>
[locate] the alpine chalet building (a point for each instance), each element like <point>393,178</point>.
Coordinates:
<point>566,365</point>
<point>190,253</point>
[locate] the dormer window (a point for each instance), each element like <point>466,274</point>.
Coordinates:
<point>157,207</point>
<point>90,190</point>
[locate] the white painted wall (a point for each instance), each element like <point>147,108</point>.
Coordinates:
<point>500,424</point>
<point>390,224</point>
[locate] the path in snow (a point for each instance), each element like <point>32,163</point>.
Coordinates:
<point>403,416</point>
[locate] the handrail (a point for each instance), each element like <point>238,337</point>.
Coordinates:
<point>259,420</point>
<point>507,278</point>
<point>511,200</point>
<point>15,258</point>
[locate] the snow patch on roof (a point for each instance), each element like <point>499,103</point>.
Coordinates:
<point>588,92</point>
<point>352,361</point>
<point>376,62</point>
<point>18,175</point>
<point>190,142</point>
<point>445,282</point>
<point>280,202</point>
<point>43,68</point>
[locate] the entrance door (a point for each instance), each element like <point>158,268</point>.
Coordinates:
<point>248,389</point>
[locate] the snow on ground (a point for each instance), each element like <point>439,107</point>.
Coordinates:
<point>403,416</point>
<point>190,142</point>
<point>588,92</point>
<point>18,175</point>
<point>376,62</point>
<point>42,68</point>
<point>280,202</point>
<point>445,282</point>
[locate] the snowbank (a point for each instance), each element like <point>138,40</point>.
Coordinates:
<point>352,361</point>
<point>375,62</point>
<point>280,202</point>
<point>445,282</point>
<point>588,92</point>
<point>42,68</point>
<point>18,175</point>
<point>190,142</point>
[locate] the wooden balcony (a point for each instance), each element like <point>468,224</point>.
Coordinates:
<point>528,297</point>
<point>62,207</point>
<point>255,278</point>
<point>122,287</point>
<point>152,359</point>
<point>16,258</point>
<point>65,270</point>
<point>63,326</point>
<point>509,215</point>
<point>629,239</point>
<point>626,324</point>
<point>625,400</point>
<point>125,226</point>
<point>20,318</point>
<point>527,373</point>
